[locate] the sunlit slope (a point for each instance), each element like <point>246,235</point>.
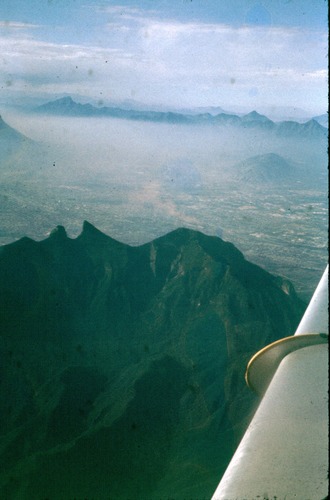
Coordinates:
<point>122,367</point>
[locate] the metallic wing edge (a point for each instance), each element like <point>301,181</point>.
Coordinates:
<point>284,452</point>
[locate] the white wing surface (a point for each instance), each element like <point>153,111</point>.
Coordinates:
<point>284,452</point>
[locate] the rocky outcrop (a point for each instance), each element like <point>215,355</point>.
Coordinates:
<point>122,367</point>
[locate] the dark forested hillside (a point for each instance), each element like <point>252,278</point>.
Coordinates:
<point>122,368</point>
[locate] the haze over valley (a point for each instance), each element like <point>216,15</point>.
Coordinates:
<point>135,180</point>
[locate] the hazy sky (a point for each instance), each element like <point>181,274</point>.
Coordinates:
<point>171,52</point>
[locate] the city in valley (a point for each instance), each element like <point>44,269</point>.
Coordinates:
<point>262,187</point>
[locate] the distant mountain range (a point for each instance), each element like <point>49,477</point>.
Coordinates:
<point>67,107</point>
<point>122,368</point>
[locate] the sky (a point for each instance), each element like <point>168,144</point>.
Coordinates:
<point>171,53</point>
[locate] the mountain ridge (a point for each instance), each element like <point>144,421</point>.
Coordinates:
<point>66,106</point>
<point>123,367</point>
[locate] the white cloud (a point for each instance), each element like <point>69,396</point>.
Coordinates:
<point>169,61</point>
<point>13,25</point>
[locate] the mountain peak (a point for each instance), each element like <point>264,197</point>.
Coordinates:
<point>269,167</point>
<point>93,235</point>
<point>64,105</point>
<point>65,100</point>
<point>59,233</point>
<point>255,116</point>
<point>313,125</point>
<point>310,129</point>
<point>89,229</point>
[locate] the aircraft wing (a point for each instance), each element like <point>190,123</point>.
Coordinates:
<point>284,452</point>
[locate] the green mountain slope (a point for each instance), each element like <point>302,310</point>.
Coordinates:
<point>122,368</point>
